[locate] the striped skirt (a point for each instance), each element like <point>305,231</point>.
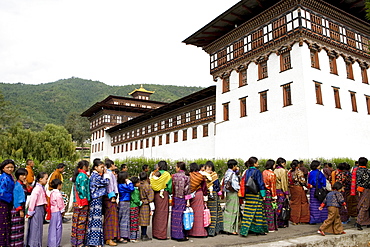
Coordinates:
<point>17,229</point>
<point>177,228</point>
<point>300,212</point>
<point>160,217</point>
<point>134,223</point>
<point>271,216</point>
<point>254,218</point>
<point>144,215</point>
<point>124,219</point>
<point>231,213</point>
<point>316,216</point>
<point>5,223</point>
<point>55,230</point>
<point>111,229</point>
<point>363,208</point>
<point>197,204</point>
<point>35,227</point>
<point>94,234</point>
<point>79,225</point>
<point>217,218</point>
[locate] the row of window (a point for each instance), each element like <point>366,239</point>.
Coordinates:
<point>285,64</point>
<point>162,139</point>
<point>133,104</point>
<point>187,117</point>
<point>287,100</point>
<point>306,19</point>
<point>97,147</point>
<point>109,118</point>
<point>337,98</point>
<point>97,134</point>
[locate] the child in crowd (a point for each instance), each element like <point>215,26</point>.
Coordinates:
<point>125,187</point>
<point>36,211</point>
<point>98,188</point>
<point>6,198</point>
<point>156,175</point>
<point>135,203</point>
<point>21,190</point>
<point>57,208</point>
<point>334,200</point>
<point>146,197</point>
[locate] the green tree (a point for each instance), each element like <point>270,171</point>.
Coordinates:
<point>78,127</point>
<point>7,114</point>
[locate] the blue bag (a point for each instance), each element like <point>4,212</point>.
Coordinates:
<point>188,218</point>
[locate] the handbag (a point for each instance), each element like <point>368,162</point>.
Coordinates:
<point>228,185</point>
<point>285,211</point>
<point>320,194</point>
<point>188,218</point>
<point>206,217</point>
<point>251,185</point>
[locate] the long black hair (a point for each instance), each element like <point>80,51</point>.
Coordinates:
<point>80,165</point>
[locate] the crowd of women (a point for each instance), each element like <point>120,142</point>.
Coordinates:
<point>269,200</point>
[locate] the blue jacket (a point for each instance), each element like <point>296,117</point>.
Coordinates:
<point>6,187</point>
<point>258,179</point>
<point>125,190</point>
<point>98,185</point>
<point>316,175</point>
<point>18,195</point>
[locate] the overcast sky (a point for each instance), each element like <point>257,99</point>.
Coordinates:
<point>117,42</point>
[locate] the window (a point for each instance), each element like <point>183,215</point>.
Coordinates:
<point>167,138</point>
<point>187,117</point>
<point>262,70</point>
<point>195,132</point>
<point>349,70</point>
<point>141,144</point>
<point>147,143</point>
<point>314,59</point>
<point>205,130</point>
<point>316,24</point>
<point>333,65</point>
<point>135,145</point>
<point>279,27</point>
<point>226,84</point>
<point>257,39</point>
<point>263,101</point>
<point>209,110</point>
<point>334,31</point>
<point>102,145</point>
<point>351,38</point>
<point>336,98</point>
<point>155,127</point>
<point>159,140</point>
<point>170,121</point>
<point>368,103</point>
<point>243,106</point>
<point>318,93</point>
<point>287,96</point>
<point>163,124</point>
<point>221,55</point>
<point>238,48</point>
<point>176,136</point>
<point>226,111</point>
<point>364,75</point>
<point>126,147</point>
<point>242,77</point>
<point>131,146</point>
<point>178,119</point>
<point>285,61</point>
<point>353,101</point>
<point>184,134</point>
<point>197,114</point>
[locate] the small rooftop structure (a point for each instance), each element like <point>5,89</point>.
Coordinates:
<point>141,93</point>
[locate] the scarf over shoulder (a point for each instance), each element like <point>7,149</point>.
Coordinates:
<point>161,182</point>
<point>196,180</point>
<point>214,177</point>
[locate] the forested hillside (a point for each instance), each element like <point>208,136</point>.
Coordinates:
<point>51,103</point>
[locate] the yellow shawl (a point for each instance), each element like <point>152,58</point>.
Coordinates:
<point>214,178</point>
<point>161,182</point>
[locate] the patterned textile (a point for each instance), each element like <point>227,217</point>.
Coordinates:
<point>146,197</point>
<point>17,229</point>
<point>161,182</point>
<point>281,179</point>
<point>332,224</point>
<point>55,230</point>
<point>352,202</point>
<point>353,181</point>
<point>300,212</point>
<point>79,225</point>
<point>316,216</point>
<point>196,180</point>
<point>134,223</point>
<point>160,217</point>
<point>124,219</point>
<point>343,212</point>
<point>231,213</point>
<point>269,178</point>
<point>217,218</point>
<point>94,234</point>
<point>271,216</point>
<point>35,227</point>
<point>296,178</point>
<point>5,226</point>
<point>254,218</point>
<point>180,184</point>
<point>110,224</point>
<point>280,203</point>
<point>363,208</point>
<point>177,228</point>
<point>334,199</point>
<point>98,185</point>
<point>214,177</point>
<point>363,177</point>
<point>343,177</point>
<point>82,189</point>
<point>230,174</point>
<point>197,204</point>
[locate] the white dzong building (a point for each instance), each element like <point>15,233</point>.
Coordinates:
<point>291,80</point>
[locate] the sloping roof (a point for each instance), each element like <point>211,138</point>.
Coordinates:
<point>247,9</point>
<point>141,89</point>
<point>200,95</point>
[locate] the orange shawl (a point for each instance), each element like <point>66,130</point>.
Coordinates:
<point>196,180</point>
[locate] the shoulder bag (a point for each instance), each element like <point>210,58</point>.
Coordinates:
<point>251,185</point>
<point>320,194</point>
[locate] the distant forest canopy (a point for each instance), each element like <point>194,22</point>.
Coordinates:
<point>52,103</point>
